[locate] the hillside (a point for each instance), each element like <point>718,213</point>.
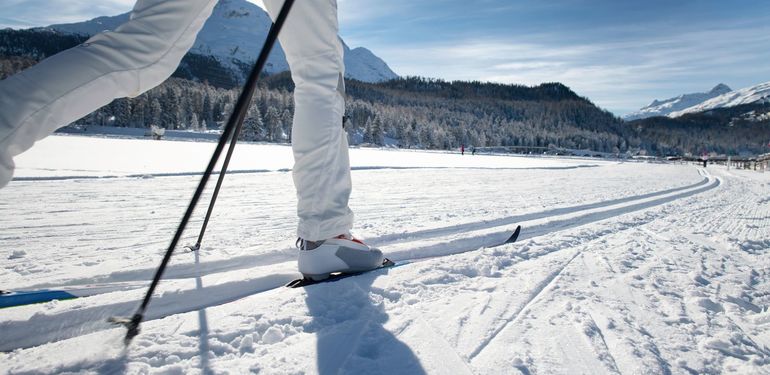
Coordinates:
<point>743,129</point>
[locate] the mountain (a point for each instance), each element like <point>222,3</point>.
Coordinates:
<point>679,103</point>
<point>757,94</point>
<point>233,36</point>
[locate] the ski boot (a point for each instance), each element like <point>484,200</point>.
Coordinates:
<point>341,254</point>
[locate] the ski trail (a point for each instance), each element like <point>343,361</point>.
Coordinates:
<point>511,220</point>
<point>513,318</point>
<point>646,310</point>
<point>87,319</point>
<point>606,214</point>
<point>532,229</point>
<point>129,278</point>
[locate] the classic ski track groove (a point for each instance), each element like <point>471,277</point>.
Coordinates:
<point>610,360</point>
<point>540,289</point>
<point>437,336</point>
<point>86,325</point>
<point>543,285</point>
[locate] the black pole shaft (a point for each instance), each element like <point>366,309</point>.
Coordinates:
<point>233,126</point>
<point>221,178</point>
<point>215,194</point>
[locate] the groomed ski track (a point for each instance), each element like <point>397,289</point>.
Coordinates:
<point>182,290</point>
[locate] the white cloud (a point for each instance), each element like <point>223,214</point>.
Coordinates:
<point>621,76</point>
<point>32,13</point>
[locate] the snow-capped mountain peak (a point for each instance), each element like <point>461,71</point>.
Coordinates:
<point>234,35</point>
<point>754,94</point>
<point>720,89</point>
<point>681,102</point>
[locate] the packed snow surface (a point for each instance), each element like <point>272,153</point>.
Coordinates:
<point>621,267</point>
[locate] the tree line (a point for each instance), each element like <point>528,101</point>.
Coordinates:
<point>410,112</point>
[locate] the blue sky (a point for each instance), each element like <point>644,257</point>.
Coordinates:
<point>621,54</point>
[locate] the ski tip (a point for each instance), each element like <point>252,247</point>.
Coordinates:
<point>296,283</point>
<point>20,298</point>
<point>515,235</point>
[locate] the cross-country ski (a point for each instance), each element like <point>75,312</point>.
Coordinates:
<point>387,263</point>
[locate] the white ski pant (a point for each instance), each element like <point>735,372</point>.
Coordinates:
<point>144,51</point>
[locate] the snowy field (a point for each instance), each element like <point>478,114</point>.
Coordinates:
<point>628,268</point>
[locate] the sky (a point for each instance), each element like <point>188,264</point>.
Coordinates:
<point>621,54</point>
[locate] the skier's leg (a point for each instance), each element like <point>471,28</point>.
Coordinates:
<point>135,57</point>
<point>321,165</point>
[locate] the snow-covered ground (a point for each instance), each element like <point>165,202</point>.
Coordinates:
<point>620,268</point>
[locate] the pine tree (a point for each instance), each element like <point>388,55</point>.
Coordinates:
<point>273,123</point>
<point>207,111</point>
<point>122,112</point>
<point>252,125</point>
<point>367,130</point>
<point>156,113</point>
<point>138,112</point>
<point>170,115</point>
<point>194,125</point>
<point>377,132</point>
<point>286,119</point>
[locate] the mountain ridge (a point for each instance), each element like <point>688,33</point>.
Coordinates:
<point>756,94</point>
<point>234,34</point>
<point>677,103</point>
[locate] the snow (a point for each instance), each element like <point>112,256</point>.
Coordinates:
<point>621,267</point>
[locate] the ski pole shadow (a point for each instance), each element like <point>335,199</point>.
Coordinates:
<point>348,322</point>
<point>203,334</point>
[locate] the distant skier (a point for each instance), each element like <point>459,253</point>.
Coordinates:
<point>462,149</point>
<point>144,51</point>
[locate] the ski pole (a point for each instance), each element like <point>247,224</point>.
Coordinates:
<point>234,124</point>
<point>221,178</point>
<point>214,195</point>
